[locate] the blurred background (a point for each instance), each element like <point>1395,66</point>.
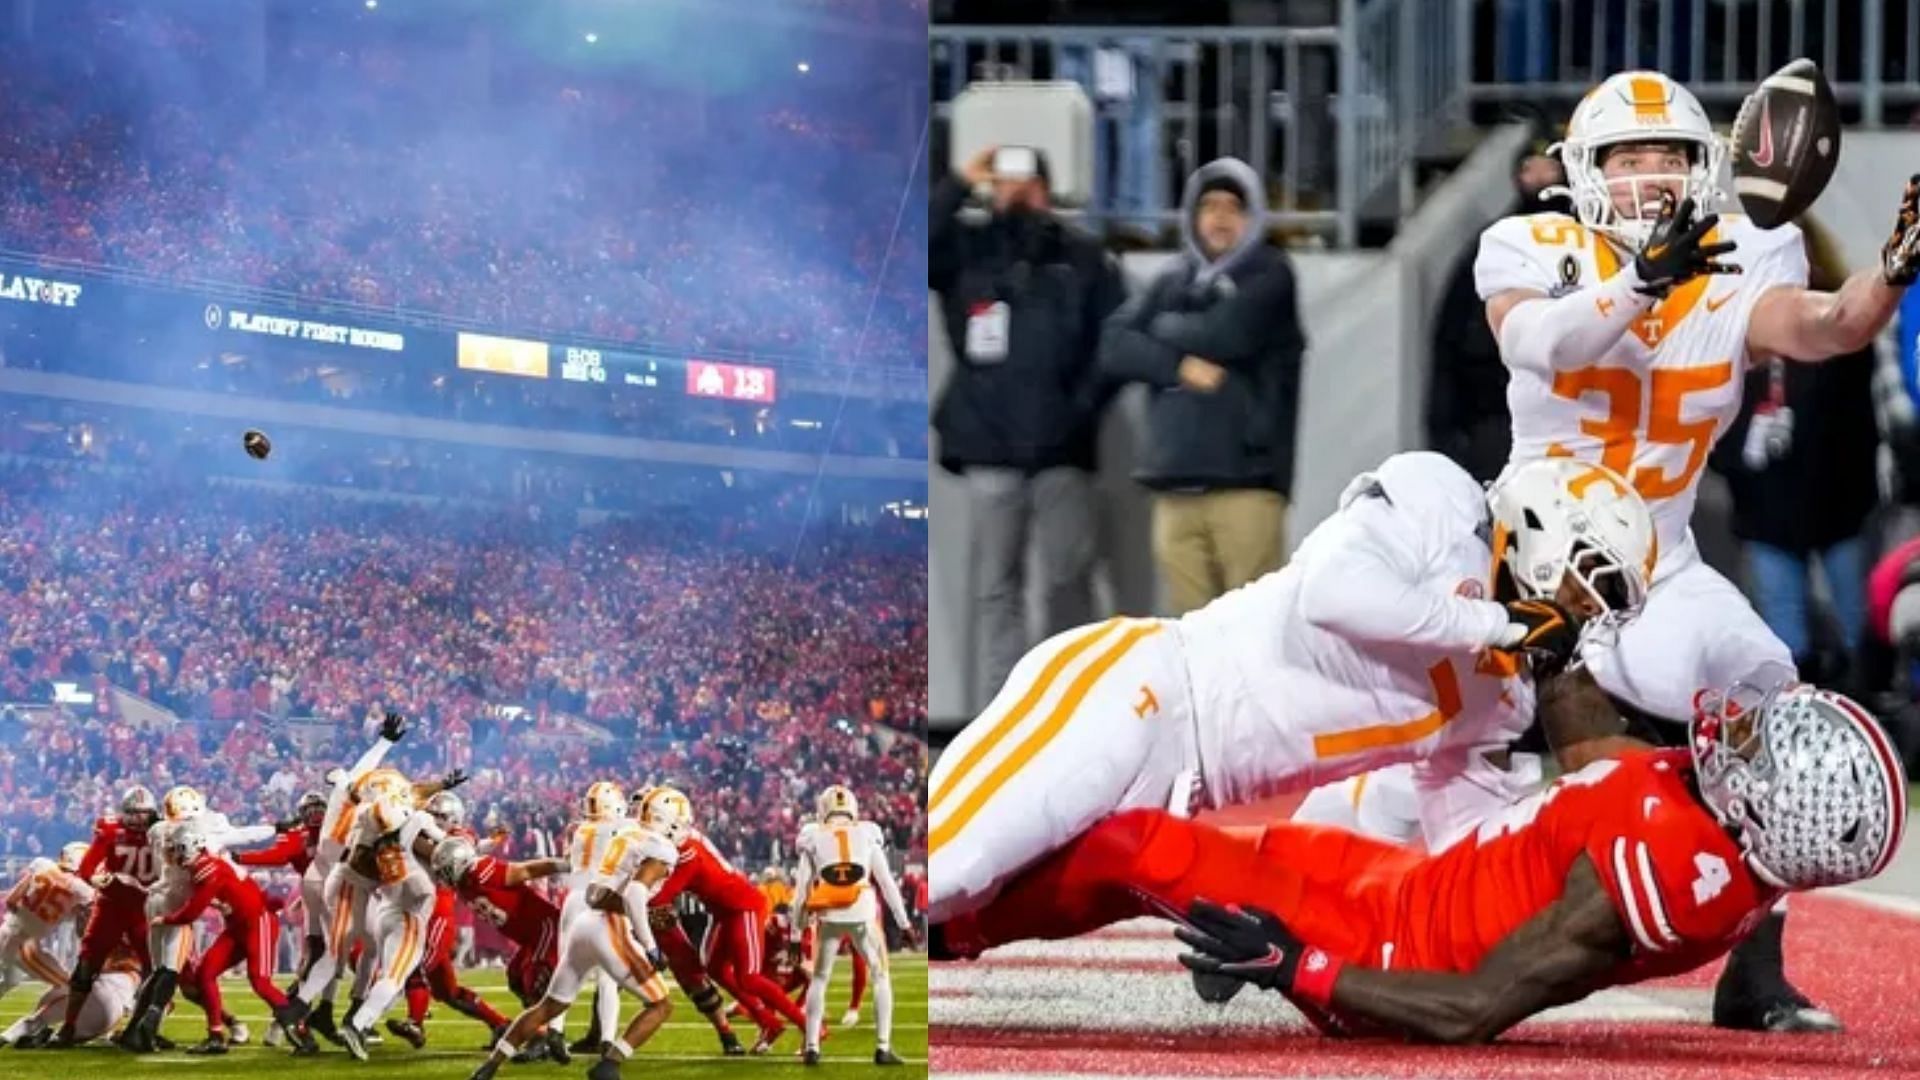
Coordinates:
<point>1382,136</point>
<point>589,336</point>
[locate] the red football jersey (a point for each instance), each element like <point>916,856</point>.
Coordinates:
<point>121,850</point>
<point>521,913</point>
<point>294,849</point>
<point>705,873</point>
<point>1674,874</point>
<point>217,882</point>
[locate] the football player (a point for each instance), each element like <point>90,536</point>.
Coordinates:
<point>121,864</point>
<point>436,977</point>
<point>1628,330</point>
<point>171,944</point>
<point>609,934</point>
<point>248,936</point>
<point>1406,627</point>
<point>842,860</point>
<point>48,893</point>
<point>1640,864</point>
<point>736,910</point>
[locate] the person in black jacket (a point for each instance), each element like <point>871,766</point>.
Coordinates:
<point>1023,296</point>
<point>1217,336</point>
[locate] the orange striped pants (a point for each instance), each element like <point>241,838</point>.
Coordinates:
<point>1091,722</point>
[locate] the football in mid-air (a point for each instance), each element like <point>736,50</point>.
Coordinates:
<point>1786,142</point>
<point>257,444</point>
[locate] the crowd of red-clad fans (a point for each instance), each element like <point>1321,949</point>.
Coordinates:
<point>348,165</point>
<point>709,650</point>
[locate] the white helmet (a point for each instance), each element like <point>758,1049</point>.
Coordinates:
<point>452,860</point>
<point>837,800</point>
<point>1808,782</point>
<point>1637,107</point>
<point>1555,515</point>
<point>667,812</point>
<point>184,845</point>
<point>182,803</point>
<point>448,809</point>
<point>71,856</point>
<point>604,801</point>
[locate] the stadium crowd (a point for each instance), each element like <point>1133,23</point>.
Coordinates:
<point>712,653</point>
<point>386,173</point>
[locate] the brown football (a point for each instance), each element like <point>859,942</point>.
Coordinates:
<point>1786,142</point>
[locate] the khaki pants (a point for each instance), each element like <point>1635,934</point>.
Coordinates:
<point>1216,541</point>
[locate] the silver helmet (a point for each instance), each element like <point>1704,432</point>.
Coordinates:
<point>1806,779</point>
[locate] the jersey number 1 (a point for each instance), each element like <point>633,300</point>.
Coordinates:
<point>1629,411</point>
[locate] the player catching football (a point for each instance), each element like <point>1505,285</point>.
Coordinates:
<point>1628,330</point>
<point>1639,864</point>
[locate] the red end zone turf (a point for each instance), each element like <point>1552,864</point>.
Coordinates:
<point>1117,1005</point>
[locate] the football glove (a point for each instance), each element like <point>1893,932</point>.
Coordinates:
<point>394,727</point>
<point>1674,252</point>
<point>1542,631</point>
<point>1251,945</point>
<point>1900,258</point>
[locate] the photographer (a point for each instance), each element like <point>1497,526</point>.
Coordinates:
<point>1024,296</point>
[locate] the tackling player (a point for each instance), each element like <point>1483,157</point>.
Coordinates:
<point>1392,635</point>
<point>841,859</point>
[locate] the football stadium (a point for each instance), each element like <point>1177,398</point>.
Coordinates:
<point>462,537</point>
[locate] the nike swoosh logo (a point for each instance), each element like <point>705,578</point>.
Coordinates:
<point>1763,157</point>
<point>1715,303</point>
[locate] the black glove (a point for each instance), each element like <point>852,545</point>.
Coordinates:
<point>1900,258</point>
<point>1674,252</point>
<point>453,779</point>
<point>394,727</point>
<point>1251,945</point>
<point>1544,632</point>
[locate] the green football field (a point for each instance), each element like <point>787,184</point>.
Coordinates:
<point>686,1046</point>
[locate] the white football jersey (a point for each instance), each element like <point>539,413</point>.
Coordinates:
<point>841,862</point>
<point>1365,650</point>
<point>1652,407</point>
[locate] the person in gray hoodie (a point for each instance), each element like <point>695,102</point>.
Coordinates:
<point>1217,337</point>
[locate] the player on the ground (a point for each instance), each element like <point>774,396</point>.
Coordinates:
<point>736,913</point>
<point>334,892</point>
<point>608,934</point>
<point>108,1003</point>
<point>48,893</point>
<point>1392,635</point>
<point>436,977</point>
<point>121,853</point>
<point>171,944</point>
<point>1628,331</point>
<point>842,859</point>
<point>248,936</point>
<point>1639,864</point>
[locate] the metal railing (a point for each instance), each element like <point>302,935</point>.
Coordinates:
<point>1331,113</point>
<point>1555,50</point>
